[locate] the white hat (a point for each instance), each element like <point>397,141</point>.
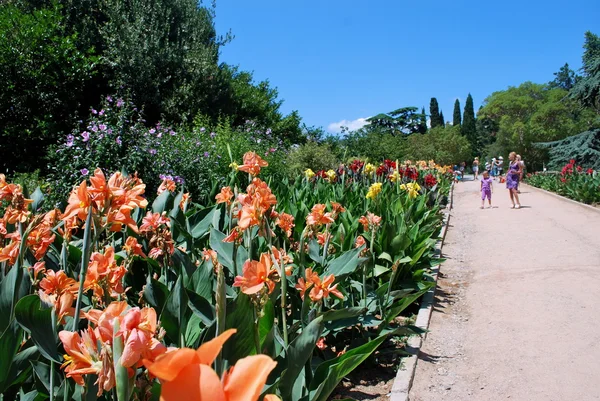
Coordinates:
<point>501,158</point>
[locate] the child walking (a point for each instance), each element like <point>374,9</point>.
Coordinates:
<point>486,189</point>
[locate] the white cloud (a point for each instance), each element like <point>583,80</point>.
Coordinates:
<point>351,124</point>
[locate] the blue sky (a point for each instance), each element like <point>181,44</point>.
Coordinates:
<point>336,61</point>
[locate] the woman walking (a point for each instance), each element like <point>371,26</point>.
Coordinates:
<point>512,180</point>
<point>476,167</point>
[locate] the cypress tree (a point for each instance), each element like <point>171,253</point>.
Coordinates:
<point>456,117</point>
<point>434,113</point>
<point>423,122</point>
<point>442,121</point>
<point>469,128</point>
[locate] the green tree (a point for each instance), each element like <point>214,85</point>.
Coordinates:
<point>587,89</point>
<point>423,122</point>
<point>468,128</point>
<point>405,120</point>
<point>44,77</point>
<point>434,113</point>
<point>456,117</point>
<point>445,145</point>
<point>565,78</point>
<point>442,120</point>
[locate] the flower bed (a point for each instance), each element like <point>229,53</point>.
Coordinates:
<point>278,288</point>
<point>574,182</point>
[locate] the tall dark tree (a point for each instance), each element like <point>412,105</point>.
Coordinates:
<point>469,128</point>
<point>587,89</point>
<point>565,78</point>
<point>434,113</point>
<point>405,120</point>
<point>442,120</point>
<point>456,117</point>
<point>423,122</point>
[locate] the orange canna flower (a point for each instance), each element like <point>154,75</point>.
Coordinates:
<point>185,374</point>
<point>370,221</point>
<point>224,196</point>
<point>252,163</point>
<point>256,275</point>
<point>138,329</point>
<point>80,201</point>
<point>132,247</point>
<point>185,199</point>
<point>336,209</point>
<point>40,238</point>
<point>360,241</point>
<point>167,185</point>
<point>320,289</point>
<point>10,252</point>
<point>318,216</point>
<point>321,343</point>
<point>283,260</point>
<point>104,274</point>
<point>322,238</point>
<point>38,268</point>
<point>152,221</point>
<point>235,235</point>
<point>286,223</point>
<point>58,283</point>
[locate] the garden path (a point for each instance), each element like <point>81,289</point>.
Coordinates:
<point>516,314</point>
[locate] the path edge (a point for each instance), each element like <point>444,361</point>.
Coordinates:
<point>406,371</point>
<point>563,198</point>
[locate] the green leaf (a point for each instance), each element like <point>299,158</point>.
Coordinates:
<point>266,321</point>
<point>38,322</point>
<point>345,313</point>
<point>201,281</point>
<point>163,202</point>
<point>346,264</point>
<point>201,307</point>
<point>10,341</point>
<point>201,222</point>
<point>240,316</point>
<point>173,316</point>
<point>314,251</point>
<point>299,352</point>
<point>328,374</point>
<point>38,199</point>
<point>156,293</point>
<point>224,249</point>
<point>8,296</point>
<point>386,256</point>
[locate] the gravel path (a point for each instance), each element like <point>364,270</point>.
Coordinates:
<point>517,308</point>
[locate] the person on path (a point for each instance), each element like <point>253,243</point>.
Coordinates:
<point>488,166</point>
<point>486,189</point>
<point>522,163</point>
<point>494,168</point>
<point>500,164</point>
<point>512,180</point>
<point>476,167</point>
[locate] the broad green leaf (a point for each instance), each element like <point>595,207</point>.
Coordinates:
<point>266,321</point>
<point>10,341</point>
<point>299,352</point>
<point>38,199</point>
<point>201,307</point>
<point>329,373</point>
<point>8,296</point>
<point>224,249</point>
<point>240,316</point>
<point>173,316</point>
<point>163,202</point>
<point>156,293</point>
<point>345,264</point>
<point>201,222</point>
<point>37,321</point>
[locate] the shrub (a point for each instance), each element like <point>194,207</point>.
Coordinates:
<point>311,155</point>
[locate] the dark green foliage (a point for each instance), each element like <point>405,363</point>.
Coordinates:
<point>587,89</point>
<point>584,148</point>
<point>44,78</point>
<point>434,113</point>
<point>444,145</point>
<point>423,122</point>
<point>311,155</point>
<point>374,144</point>
<point>442,120</point>
<point>456,118</point>
<point>565,78</point>
<point>405,120</point>
<point>468,128</point>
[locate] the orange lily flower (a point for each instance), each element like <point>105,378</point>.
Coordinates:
<point>166,185</point>
<point>318,216</point>
<point>99,189</point>
<point>256,275</point>
<point>185,199</point>
<point>252,163</point>
<point>10,252</point>
<point>58,283</point>
<point>185,374</point>
<point>80,201</point>
<point>138,329</point>
<point>370,221</point>
<point>286,223</point>
<point>132,247</point>
<point>336,209</point>
<point>104,274</point>
<point>39,239</point>
<point>320,289</point>
<point>224,196</point>
<point>360,241</point>
<point>152,221</point>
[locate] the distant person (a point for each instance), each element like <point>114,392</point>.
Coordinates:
<point>476,168</point>
<point>512,180</point>
<point>462,169</point>
<point>494,168</point>
<point>500,164</point>
<point>522,163</point>
<point>486,189</point>
<point>488,166</point>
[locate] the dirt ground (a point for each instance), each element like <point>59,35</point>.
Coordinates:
<point>516,314</point>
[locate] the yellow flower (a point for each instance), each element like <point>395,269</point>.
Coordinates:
<point>308,173</point>
<point>395,176</point>
<point>374,190</point>
<point>412,188</point>
<point>234,166</point>
<point>330,175</point>
<point>369,169</point>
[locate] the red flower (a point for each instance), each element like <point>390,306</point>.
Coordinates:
<point>430,180</point>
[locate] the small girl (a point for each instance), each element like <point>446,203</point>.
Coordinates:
<point>486,188</point>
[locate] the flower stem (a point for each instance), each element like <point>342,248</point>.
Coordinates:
<point>221,306</point>
<point>85,260</point>
<point>256,333</point>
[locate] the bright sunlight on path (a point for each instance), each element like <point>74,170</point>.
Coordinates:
<point>516,314</point>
